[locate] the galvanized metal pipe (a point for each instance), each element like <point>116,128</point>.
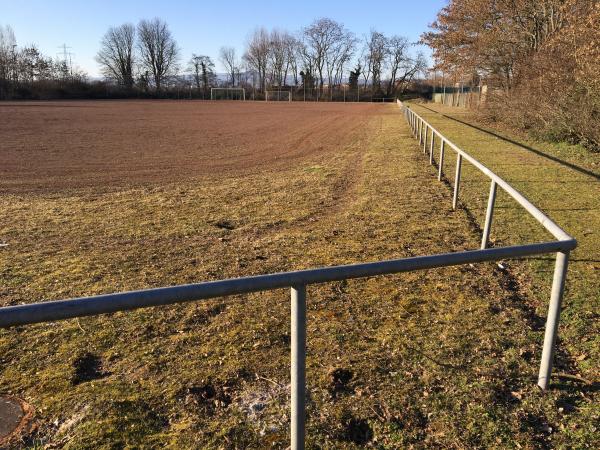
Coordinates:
<point>457,180</point>
<point>489,215</point>
<point>558,286</point>
<point>298,366</point>
<point>102,304</point>
<point>431,147</point>
<point>441,167</point>
<point>425,140</point>
<point>562,257</point>
<point>546,222</point>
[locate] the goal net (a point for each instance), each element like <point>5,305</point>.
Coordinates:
<point>227,94</point>
<point>278,96</point>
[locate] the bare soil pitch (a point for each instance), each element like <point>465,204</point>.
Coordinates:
<point>61,145</point>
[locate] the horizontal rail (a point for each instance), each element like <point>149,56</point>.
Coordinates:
<point>542,218</point>
<point>417,124</point>
<point>109,303</point>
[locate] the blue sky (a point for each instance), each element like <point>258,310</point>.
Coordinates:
<point>200,26</point>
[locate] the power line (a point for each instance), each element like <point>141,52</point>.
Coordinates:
<point>67,56</point>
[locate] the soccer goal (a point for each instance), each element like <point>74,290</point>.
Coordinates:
<point>383,99</point>
<point>227,94</point>
<point>278,96</point>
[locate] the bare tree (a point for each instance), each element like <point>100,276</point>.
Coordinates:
<point>320,38</point>
<point>278,57</point>
<point>203,71</point>
<point>158,50</point>
<point>292,46</point>
<point>365,61</point>
<point>340,54</point>
<point>228,57</point>
<point>116,54</point>
<point>8,45</point>
<point>399,58</point>
<point>376,53</point>
<point>257,54</point>
<point>407,71</point>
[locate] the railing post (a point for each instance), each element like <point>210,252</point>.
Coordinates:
<point>558,286</point>
<point>440,169</point>
<point>420,131</point>
<point>298,371</point>
<point>416,126</point>
<point>431,147</point>
<point>457,180</point>
<point>488,215</point>
<point>425,140</point>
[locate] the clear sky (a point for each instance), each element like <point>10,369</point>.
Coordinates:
<point>200,26</point>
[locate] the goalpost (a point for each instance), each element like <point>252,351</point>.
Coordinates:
<point>278,96</point>
<point>227,94</point>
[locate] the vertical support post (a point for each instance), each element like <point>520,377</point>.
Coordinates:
<point>558,286</point>
<point>431,147</point>
<point>425,140</point>
<point>420,131</point>
<point>457,180</point>
<point>298,371</point>
<point>488,216</point>
<point>440,169</point>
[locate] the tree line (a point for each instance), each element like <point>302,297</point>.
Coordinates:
<point>21,68</point>
<point>146,60</point>
<point>539,58</point>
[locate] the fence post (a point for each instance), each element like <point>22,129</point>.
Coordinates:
<point>425,140</point>
<point>488,216</point>
<point>558,286</point>
<point>420,131</point>
<point>298,366</point>
<point>431,147</point>
<point>457,180</point>
<point>440,169</point>
<point>417,129</point>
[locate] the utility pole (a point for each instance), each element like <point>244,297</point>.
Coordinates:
<point>67,55</point>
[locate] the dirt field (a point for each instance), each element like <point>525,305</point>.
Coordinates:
<point>57,145</point>
<point>443,358</point>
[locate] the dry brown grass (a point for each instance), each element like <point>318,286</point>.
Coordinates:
<point>443,358</point>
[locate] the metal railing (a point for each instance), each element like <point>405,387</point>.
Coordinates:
<point>421,129</point>
<point>297,281</point>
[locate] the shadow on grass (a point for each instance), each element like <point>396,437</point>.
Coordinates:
<point>519,144</point>
<point>570,259</point>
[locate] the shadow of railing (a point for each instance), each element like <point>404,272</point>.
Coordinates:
<point>538,152</point>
